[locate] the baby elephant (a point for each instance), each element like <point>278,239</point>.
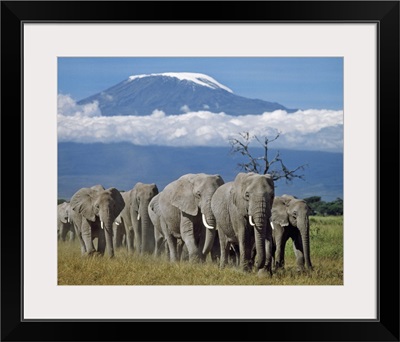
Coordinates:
<point>64,222</point>
<point>290,219</point>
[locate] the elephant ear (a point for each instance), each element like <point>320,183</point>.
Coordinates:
<point>97,187</point>
<point>154,205</point>
<point>270,181</point>
<point>134,203</point>
<point>239,188</point>
<point>182,197</point>
<point>82,203</point>
<point>287,199</point>
<point>279,213</point>
<point>118,199</point>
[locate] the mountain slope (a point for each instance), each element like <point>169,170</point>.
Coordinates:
<point>175,93</point>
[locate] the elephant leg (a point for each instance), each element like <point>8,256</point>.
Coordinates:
<point>129,239</point>
<point>101,242</point>
<point>224,247</point>
<point>159,239</point>
<point>201,244</point>
<point>115,232</point>
<point>171,242</point>
<point>268,251</point>
<point>82,243</point>
<point>243,258</point>
<point>215,252</point>
<point>117,235</point>
<point>298,250</point>
<point>235,254</point>
<point>281,237</point>
<point>184,254</point>
<point>157,249</point>
<point>172,248</point>
<point>87,238</point>
<point>187,233</point>
<point>137,235</point>
<point>72,235</point>
<point>249,243</point>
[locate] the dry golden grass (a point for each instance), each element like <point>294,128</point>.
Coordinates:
<point>326,249</point>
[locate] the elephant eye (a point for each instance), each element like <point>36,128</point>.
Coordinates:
<point>294,214</point>
<point>198,194</point>
<point>246,196</point>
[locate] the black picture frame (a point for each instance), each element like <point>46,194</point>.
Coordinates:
<point>384,13</point>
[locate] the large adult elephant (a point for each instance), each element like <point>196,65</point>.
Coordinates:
<point>93,212</point>
<point>185,206</point>
<point>242,209</point>
<point>64,222</point>
<point>290,219</point>
<point>139,229</point>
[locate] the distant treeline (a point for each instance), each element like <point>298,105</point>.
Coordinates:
<point>325,208</point>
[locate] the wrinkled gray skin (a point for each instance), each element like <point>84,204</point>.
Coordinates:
<point>290,219</point>
<point>185,207</point>
<point>93,212</point>
<point>242,209</point>
<point>64,222</point>
<point>139,229</point>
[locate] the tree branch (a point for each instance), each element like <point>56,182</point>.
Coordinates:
<point>241,145</point>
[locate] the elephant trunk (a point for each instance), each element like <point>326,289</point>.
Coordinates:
<point>147,227</point>
<point>106,222</point>
<point>209,222</point>
<point>258,213</point>
<point>304,227</point>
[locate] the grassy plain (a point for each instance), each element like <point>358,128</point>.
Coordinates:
<point>326,234</point>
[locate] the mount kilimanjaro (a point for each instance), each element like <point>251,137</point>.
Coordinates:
<point>176,93</point>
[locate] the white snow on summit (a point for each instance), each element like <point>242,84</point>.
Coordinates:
<point>200,79</point>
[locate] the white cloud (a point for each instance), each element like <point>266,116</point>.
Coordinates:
<point>68,107</point>
<point>303,130</point>
<point>185,109</point>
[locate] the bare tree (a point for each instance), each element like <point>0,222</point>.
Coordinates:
<point>263,164</point>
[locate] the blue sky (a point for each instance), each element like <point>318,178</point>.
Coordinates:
<point>304,83</point>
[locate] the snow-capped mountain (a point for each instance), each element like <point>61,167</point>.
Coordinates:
<point>176,93</point>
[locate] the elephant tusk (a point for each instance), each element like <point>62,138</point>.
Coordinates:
<point>102,224</point>
<point>251,221</point>
<point>68,220</point>
<point>205,222</point>
<point>138,216</point>
<point>117,223</point>
<point>272,225</point>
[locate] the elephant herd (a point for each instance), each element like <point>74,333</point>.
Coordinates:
<point>192,217</point>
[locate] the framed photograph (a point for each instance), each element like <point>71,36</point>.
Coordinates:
<point>168,106</point>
